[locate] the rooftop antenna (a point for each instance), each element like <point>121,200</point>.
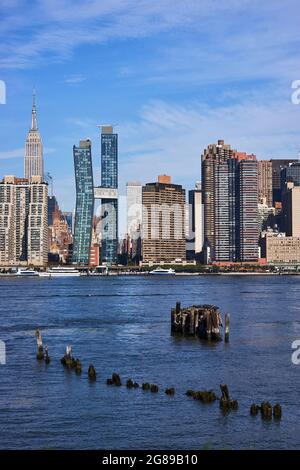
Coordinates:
<point>33,111</point>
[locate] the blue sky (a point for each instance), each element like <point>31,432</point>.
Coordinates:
<point>173,76</point>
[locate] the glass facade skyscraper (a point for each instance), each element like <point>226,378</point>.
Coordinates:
<point>84,202</point>
<point>109,180</point>
<point>290,174</point>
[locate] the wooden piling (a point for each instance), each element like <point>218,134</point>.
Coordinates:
<point>40,351</point>
<point>266,410</point>
<point>277,412</point>
<point>92,372</point>
<point>47,357</point>
<point>173,317</point>
<point>202,320</point>
<point>254,409</point>
<point>227,322</point>
<point>192,323</point>
<point>183,322</point>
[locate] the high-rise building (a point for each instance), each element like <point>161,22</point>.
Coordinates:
<point>134,207</point>
<point>38,222</point>
<point>60,235</point>
<point>247,211</point>
<point>163,238</point>
<point>212,155</point>
<point>109,180</point>
<point>33,161</point>
<point>134,218</point>
<point>52,207</point>
<point>196,218</point>
<point>291,210</point>
<point>229,184</point>
<point>277,166</point>
<point>265,186</point>
<point>266,216</point>
<point>290,174</point>
<point>23,221</point>
<point>84,202</point>
<point>68,215</point>
<point>280,249</point>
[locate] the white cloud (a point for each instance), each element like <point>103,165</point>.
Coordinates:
<point>170,138</point>
<point>19,153</point>
<point>16,153</point>
<point>49,30</point>
<point>74,79</point>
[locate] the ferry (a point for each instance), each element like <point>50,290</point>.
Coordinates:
<point>160,271</point>
<point>26,272</point>
<point>60,271</point>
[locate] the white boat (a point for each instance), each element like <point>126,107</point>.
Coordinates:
<point>26,272</point>
<point>60,271</point>
<point>160,271</point>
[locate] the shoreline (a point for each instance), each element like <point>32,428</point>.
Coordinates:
<point>180,274</point>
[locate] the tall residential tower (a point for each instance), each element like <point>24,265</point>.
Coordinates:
<point>229,185</point>
<point>84,202</point>
<point>23,221</point>
<point>109,181</point>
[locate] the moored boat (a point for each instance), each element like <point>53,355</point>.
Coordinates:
<point>26,272</point>
<point>60,271</point>
<point>160,271</point>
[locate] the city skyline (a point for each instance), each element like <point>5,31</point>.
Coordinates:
<point>149,230</point>
<point>37,162</point>
<point>152,106</point>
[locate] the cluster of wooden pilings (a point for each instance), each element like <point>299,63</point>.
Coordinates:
<point>266,410</point>
<point>204,396</point>
<point>209,396</point>
<point>41,355</point>
<point>204,321</point>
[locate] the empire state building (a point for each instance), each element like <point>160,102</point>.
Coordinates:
<point>33,162</point>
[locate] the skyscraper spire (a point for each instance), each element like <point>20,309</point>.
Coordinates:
<point>33,113</point>
<point>33,161</point>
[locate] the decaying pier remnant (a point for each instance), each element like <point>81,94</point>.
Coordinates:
<point>202,320</point>
<point>47,357</point>
<point>131,384</point>
<point>68,360</point>
<point>226,403</point>
<point>40,350</point>
<point>115,380</point>
<point>266,410</point>
<point>92,375</point>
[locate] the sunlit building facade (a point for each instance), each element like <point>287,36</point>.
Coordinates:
<point>109,180</point>
<point>84,202</point>
<point>33,161</point>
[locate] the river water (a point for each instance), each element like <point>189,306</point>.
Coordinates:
<point>122,324</point>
